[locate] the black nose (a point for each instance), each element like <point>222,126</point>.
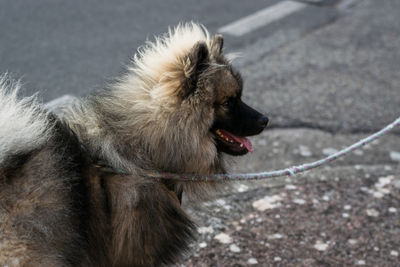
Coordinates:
<point>262,121</point>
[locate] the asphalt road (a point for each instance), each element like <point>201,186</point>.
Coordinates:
<point>70,47</point>
<point>342,79</point>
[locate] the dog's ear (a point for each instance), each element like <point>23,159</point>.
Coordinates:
<point>196,62</point>
<point>217,44</point>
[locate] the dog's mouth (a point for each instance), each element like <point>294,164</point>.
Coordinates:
<point>232,144</point>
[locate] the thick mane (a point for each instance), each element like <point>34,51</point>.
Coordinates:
<point>160,68</point>
<point>145,117</point>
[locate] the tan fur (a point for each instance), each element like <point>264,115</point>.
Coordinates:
<point>141,121</point>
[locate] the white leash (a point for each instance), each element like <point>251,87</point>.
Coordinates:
<point>288,171</point>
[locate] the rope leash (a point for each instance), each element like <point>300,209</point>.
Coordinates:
<point>284,172</point>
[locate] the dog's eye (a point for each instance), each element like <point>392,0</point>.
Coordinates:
<point>227,104</point>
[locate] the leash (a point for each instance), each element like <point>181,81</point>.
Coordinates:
<point>291,171</point>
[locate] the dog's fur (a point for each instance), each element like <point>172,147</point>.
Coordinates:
<point>58,208</point>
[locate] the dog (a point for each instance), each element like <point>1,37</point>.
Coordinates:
<point>73,183</point>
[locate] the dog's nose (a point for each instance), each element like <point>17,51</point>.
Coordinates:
<point>263,121</point>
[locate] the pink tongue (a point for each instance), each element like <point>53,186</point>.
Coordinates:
<point>242,140</point>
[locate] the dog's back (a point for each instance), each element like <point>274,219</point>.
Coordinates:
<point>41,195</point>
<point>58,209</point>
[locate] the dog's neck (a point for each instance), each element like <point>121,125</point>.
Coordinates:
<point>173,186</point>
<point>123,149</point>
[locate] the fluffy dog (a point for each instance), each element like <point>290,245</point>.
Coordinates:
<point>73,185</point>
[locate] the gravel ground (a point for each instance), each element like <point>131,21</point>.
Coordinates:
<point>340,222</point>
<point>344,214</point>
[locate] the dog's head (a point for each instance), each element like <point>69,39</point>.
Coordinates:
<point>181,99</point>
<point>233,119</point>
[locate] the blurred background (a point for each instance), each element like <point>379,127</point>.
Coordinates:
<point>72,46</point>
<point>326,72</point>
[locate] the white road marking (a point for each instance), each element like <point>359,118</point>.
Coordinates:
<point>345,5</point>
<point>261,18</point>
